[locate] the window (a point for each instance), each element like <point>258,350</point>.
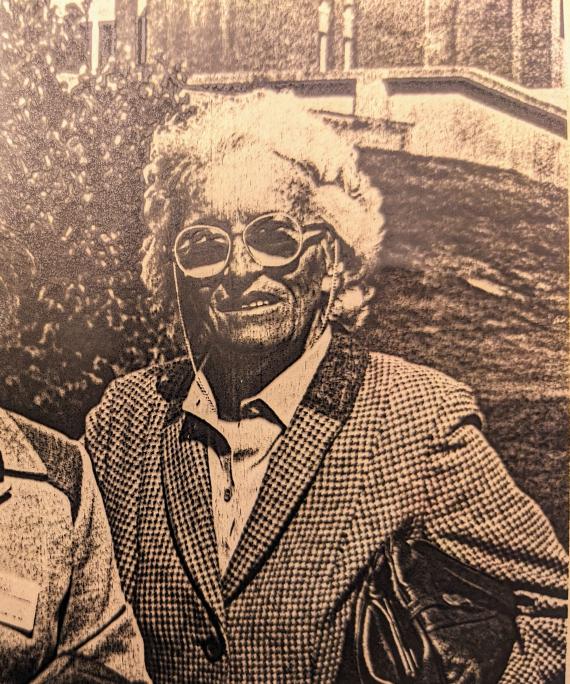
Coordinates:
<point>106,41</point>
<point>324,27</point>
<point>348,34</point>
<point>141,39</point>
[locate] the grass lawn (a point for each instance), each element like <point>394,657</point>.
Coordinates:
<point>473,281</point>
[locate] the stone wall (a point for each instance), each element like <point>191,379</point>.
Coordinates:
<point>514,39</point>
<point>454,113</point>
<point>446,119</point>
<point>274,35</point>
<point>186,31</point>
<point>457,127</point>
<point>390,33</point>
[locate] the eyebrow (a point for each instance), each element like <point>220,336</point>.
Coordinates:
<point>226,224</point>
<point>207,219</point>
<point>313,222</point>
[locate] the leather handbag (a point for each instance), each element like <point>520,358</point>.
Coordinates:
<point>423,617</point>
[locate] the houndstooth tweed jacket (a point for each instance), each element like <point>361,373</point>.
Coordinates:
<point>377,445</point>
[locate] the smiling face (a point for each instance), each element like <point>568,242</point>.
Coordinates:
<point>251,308</point>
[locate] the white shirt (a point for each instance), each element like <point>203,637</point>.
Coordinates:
<point>236,478</point>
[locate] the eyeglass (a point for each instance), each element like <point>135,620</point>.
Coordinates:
<point>272,240</point>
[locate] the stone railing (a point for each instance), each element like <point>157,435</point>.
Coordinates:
<point>450,112</point>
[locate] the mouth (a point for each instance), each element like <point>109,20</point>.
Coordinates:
<point>253,301</point>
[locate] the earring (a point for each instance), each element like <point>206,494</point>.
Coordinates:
<point>329,278</point>
<point>326,285</point>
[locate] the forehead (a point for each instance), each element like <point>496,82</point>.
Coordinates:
<point>251,181</point>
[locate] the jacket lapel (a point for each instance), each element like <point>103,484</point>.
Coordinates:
<point>295,460</point>
<point>187,493</point>
<point>186,484</point>
<point>18,456</point>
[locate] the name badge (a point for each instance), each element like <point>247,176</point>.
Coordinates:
<point>18,602</point>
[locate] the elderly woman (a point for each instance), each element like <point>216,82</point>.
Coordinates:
<point>251,484</point>
<point>63,616</point>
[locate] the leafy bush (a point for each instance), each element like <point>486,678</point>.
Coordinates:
<point>72,190</point>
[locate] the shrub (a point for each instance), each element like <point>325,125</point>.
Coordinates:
<point>72,189</point>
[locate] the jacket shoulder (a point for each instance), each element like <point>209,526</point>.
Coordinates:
<point>117,426</point>
<point>61,456</point>
<point>170,380</point>
<point>406,375</point>
<point>415,390</point>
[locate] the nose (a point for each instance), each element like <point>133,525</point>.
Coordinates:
<point>241,269</point>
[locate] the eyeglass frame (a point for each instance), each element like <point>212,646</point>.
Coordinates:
<point>297,224</point>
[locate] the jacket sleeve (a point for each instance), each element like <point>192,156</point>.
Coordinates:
<point>476,513</point>
<point>99,638</point>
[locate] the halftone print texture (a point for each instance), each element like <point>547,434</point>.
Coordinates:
<point>196,196</point>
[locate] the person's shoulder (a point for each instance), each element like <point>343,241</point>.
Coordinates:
<point>165,379</point>
<point>416,399</point>
<point>403,372</point>
<point>61,456</point>
<point>139,390</point>
<point>413,384</point>
<point>51,445</point>
<point>130,399</point>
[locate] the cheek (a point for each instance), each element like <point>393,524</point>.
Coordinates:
<point>196,297</point>
<point>306,281</point>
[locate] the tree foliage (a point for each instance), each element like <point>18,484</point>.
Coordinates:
<point>72,161</point>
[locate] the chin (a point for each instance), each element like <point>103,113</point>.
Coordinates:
<point>255,340</point>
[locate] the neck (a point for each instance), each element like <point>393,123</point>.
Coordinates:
<point>234,375</point>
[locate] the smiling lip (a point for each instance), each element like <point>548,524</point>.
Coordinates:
<point>254,301</point>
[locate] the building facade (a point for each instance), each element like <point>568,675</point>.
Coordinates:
<point>98,39</point>
<point>521,40</point>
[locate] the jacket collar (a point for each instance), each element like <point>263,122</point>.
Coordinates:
<point>293,466</point>
<point>17,455</point>
<point>186,486</point>
<point>186,482</point>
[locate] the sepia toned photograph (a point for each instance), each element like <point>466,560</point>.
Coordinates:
<point>283,341</point>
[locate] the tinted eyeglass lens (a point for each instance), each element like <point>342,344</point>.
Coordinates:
<point>273,240</point>
<point>202,251</point>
